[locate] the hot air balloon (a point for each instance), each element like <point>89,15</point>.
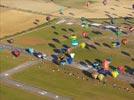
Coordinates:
<point>116,44</point>
<point>101,77</point>
<point>16,53</point>
<point>73,37</point>
<point>105,64</point>
<point>82,45</point>
<point>115,73</point>
<point>121,69</point>
<point>85,34</point>
<point>124,41</point>
<point>72,55</point>
<point>74,43</point>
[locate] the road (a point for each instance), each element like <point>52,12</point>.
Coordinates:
<point>4,77</point>
<point>126,77</point>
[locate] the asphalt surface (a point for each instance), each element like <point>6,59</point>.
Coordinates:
<point>4,77</point>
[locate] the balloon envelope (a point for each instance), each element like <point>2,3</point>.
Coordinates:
<point>101,77</point>
<point>69,60</point>
<point>74,43</point>
<point>115,74</point>
<point>72,55</point>
<point>105,64</point>
<point>83,45</point>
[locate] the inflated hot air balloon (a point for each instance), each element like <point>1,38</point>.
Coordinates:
<point>121,69</point>
<point>69,60</point>
<point>124,41</point>
<point>105,64</point>
<point>115,74</point>
<point>101,77</point>
<point>82,45</point>
<point>74,42</point>
<point>85,34</point>
<point>16,53</point>
<point>72,55</point>
<point>69,50</point>
<point>97,65</point>
<point>118,32</point>
<point>73,37</point>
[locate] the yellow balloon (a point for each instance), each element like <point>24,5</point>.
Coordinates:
<point>83,45</point>
<point>115,74</point>
<point>101,77</point>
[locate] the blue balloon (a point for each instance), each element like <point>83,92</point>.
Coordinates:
<point>69,60</point>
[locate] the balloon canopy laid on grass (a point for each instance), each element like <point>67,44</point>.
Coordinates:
<point>1,49</point>
<point>116,44</point>
<point>30,50</point>
<point>95,74</point>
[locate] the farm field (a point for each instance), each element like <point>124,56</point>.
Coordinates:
<point>17,22</point>
<point>22,19</point>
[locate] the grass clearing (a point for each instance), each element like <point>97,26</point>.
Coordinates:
<point>8,61</point>
<point>41,39</point>
<point>61,83</point>
<point>11,93</point>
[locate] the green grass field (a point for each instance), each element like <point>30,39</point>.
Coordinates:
<point>10,93</point>
<point>39,40</point>
<point>60,82</point>
<point>8,61</point>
